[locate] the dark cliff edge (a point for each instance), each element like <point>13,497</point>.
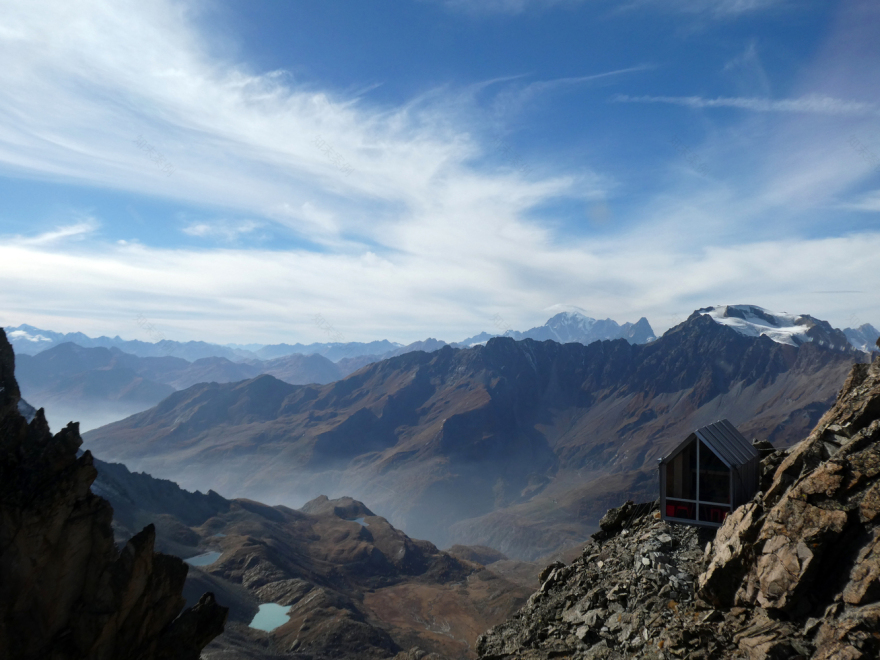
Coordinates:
<point>795,573</point>
<point>66,592</point>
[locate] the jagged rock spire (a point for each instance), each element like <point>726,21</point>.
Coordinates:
<point>66,592</point>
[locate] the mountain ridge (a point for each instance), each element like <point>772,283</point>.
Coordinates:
<point>564,327</point>
<point>433,439</point>
<point>567,327</point>
<point>99,384</point>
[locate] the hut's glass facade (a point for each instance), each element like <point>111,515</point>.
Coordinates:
<point>697,485</point>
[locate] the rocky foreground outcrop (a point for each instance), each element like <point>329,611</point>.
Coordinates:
<point>617,600</point>
<point>66,592</point>
<point>795,573</point>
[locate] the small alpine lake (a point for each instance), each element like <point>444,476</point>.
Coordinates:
<point>205,559</point>
<point>270,617</point>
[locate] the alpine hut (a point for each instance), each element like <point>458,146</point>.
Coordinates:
<point>708,475</point>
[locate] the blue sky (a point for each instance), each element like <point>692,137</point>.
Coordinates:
<point>413,168</point>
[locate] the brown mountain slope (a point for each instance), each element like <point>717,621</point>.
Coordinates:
<point>524,427</point>
<point>98,385</point>
<point>358,588</point>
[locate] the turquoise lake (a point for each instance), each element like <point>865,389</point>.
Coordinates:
<point>270,617</point>
<point>205,559</point>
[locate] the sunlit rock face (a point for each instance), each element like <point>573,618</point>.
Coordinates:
<point>65,589</point>
<point>810,551</point>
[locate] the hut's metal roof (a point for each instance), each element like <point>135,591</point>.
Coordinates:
<point>722,438</point>
<point>730,445</point>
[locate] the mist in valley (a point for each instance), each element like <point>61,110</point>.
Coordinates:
<point>89,414</point>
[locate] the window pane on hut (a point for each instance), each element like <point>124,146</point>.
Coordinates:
<point>713,513</point>
<point>681,474</point>
<point>714,477</point>
<point>682,510</point>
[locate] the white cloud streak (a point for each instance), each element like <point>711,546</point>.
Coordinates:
<point>718,8</point>
<point>57,235</point>
<point>810,104</point>
<point>869,202</point>
<point>224,230</point>
<point>250,294</point>
<point>127,72</point>
<point>548,85</point>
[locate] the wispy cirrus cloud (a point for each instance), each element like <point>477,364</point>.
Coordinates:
<point>519,93</point>
<point>718,8</point>
<point>58,235</point>
<point>869,202</point>
<point>222,229</point>
<point>476,7</point>
<point>571,81</point>
<point>809,104</point>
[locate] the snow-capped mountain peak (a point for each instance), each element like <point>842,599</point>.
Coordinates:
<point>571,324</point>
<point>781,327</point>
<point>753,321</point>
<point>864,337</point>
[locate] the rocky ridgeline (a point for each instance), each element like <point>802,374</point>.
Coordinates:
<point>66,592</point>
<point>795,573</point>
<point>620,599</point>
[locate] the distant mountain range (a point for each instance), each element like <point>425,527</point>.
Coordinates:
<point>97,381</point>
<point>96,386</point>
<point>28,340</point>
<point>115,378</point>
<point>568,327</point>
<point>518,445</point>
<point>565,327</point>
